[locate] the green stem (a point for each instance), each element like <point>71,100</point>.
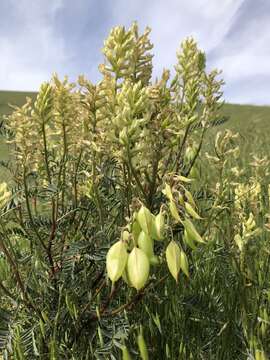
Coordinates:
<point>26,193</point>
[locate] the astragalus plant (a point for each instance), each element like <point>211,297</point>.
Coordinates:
<point>100,211</point>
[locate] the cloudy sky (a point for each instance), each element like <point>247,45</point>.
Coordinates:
<point>38,37</point>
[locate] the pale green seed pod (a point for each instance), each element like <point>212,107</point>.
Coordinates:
<point>181,199</point>
<point>190,198</point>
<point>138,268</point>
<point>184,263</point>
<point>125,277</point>
<point>191,211</point>
<point>142,346</point>
<point>158,227</point>
<point>188,240</point>
<point>174,211</point>
<point>168,192</point>
<point>116,260</point>
<point>136,229</point>
<point>173,257</point>
<point>154,260</point>
<point>145,243</point>
<point>191,231</point>
<point>144,218</point>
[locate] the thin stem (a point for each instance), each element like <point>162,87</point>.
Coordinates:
<point>26,193</point>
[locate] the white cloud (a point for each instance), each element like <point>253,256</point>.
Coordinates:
<point>47,36</point>
<point>30,55</point>
<point>244,58</point>
<point>173,20</point>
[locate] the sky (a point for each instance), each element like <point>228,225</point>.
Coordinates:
<point>39,37</point>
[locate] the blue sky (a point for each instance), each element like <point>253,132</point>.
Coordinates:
<point>39,37</point>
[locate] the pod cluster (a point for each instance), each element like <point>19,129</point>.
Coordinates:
<point>132,256</point>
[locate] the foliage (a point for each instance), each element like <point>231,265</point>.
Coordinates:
<point>114,173</point>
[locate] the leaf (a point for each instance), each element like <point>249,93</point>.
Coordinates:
<point>125,353</point>
<point>142,346</point>
<point>173,257</point>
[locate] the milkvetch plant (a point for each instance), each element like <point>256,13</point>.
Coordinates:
<point>106,200</point>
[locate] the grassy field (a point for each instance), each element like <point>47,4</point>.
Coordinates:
<point>6,98</point>
<point>252,123</point>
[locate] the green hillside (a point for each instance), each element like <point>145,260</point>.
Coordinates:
<point>6,98</point>
<point>14,98</point>
<point>252,122</point>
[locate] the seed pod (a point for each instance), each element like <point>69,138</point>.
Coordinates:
<point>181,199</point>
<point>126,278</point>
<point>144,218</point>
<point>136,229</point>
<point>158,227</point>
<point>184,263</point>
<point>138,268</point>
<point>173,257</point>
<point>168,192</point>
<point>191,231</point>
<point>154,260</point>
<point>116,260</point>
<point>191,211</point>
<point>190,198</point>
<point>142,346</point>
<point>125,353</point>
<point>174,211</point>
<point>145,243</point>
<point>125,237</point>
<point>188,240</point>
